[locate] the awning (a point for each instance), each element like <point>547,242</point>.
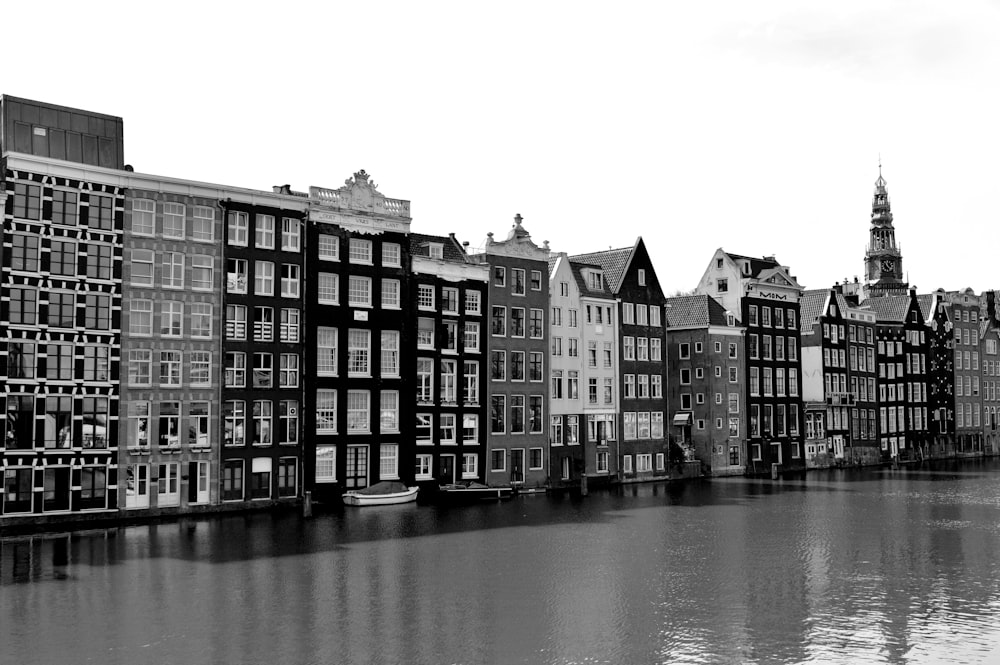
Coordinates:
<point>682,419</point>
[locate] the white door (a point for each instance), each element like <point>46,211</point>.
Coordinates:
<point>137,486</point>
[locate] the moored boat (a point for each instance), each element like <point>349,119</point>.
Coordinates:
<point>472,492</point>
<point>381,494</point>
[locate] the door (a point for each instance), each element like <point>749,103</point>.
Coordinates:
<point>517,465</point>
<point>565,466</point>
<point>137,486</point>
<point>838,447</point>
<point>447,474</point>
<point>356,475</point>
<point>198,482</point>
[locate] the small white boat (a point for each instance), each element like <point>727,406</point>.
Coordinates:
<point>381,494</point>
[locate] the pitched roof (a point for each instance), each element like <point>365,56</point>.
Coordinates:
<point>891,309</point>
<point>811,305</point>
<point>419,246</point>
<point>613,262</point>
<point>695,311</point>
<point>757,264</point>
<point>581,283</point>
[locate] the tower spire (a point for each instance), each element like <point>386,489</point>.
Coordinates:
<point>883,260</point>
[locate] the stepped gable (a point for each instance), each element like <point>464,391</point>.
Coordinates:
<point>613,262</point>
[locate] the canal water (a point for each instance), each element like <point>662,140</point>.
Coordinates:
<point>856,566</point>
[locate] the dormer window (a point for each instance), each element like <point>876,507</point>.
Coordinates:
<point>435,250</point>
<point>595,281</point>
<point>746,267</point>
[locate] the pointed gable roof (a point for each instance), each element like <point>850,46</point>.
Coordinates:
<point>890,309</point>
<point>614,263</point>
<point>697,311</point>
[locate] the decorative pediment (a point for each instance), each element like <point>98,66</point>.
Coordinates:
<point>360,194</point>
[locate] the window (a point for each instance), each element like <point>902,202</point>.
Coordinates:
<point>470,465</point>
<point>388,468</point>
<point>62,257</point>
<point>236,275</point>
<point>449,381</point>
<point>655,348</point>
<point>422,470</point>
<point>535,362</point>
<point>449,340</point>
<point>140,367</point>
<point>628,313</point>
<point>573,385</point>
<point>499,276</point>
<point>201,368</point>
<point>140,316</point>
<point>643,462</point>
<point>517,365</point>
<point>499,320</point>
<point>171,318</point>
<point>654,316</point>
<point>446,428</point>
<point>360,251</point>
<point>64,207</point>
<point>390,294</point>
<point>641,315</point>
<point>201,319</point>
<point>425,380</point>
<point>290,280</point>
<point>234,423</point>
<point>100,212</point>
<point>389,411</point>
<point>425,296</point>
<point>517,322</point>
<point>143,216</point>
<point>62,309</point>
<point>391,255</point>
<point>263,278</point>
<point>263,370</point>
<point>535,458</point>
<point>535,328</point>
<point>291,234</point>
<point>20,360</point>
<point>358,411</point>
<point>517,281</point>
<point>262,423</point>
<point>59,362</point>
<point>359,291</point>
<point>536,280</point>
<point>472,302</point>
<point>425,333</point>
<point>471,337</point>
<point>641,276</point>
<point>236,321</point>
<point>170,425</point>
<point>389,364</point>
<point>99,258</point>
<point>198,425</point>
<point>535,414</point>
<point>288,422</point>
<point>628,348</point>
<point>642,351</point>
<point>556,431</point>
<point>202,274</point>
<point>232,480</point>
<point>498,409</point>
<point>573,318</point>
<point>326,411</point>
<point>239,225</point>
<point>327,291</point>
<point>470,428</point>
<point>595,281</point>
<point>471,374</point>
<point>170,368</point>
<point>97,312</point>
<point>236,369</point>
<point>449,300</point>
<point>173,220</point>
<point>328,247</point>
<point>288,376</point>
<point>203,224</point>
<point>58,421</point>
<point>24,252</point>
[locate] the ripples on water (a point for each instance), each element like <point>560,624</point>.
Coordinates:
<point>870,566</point>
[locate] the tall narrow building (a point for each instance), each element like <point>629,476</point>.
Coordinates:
<point>883,259</point>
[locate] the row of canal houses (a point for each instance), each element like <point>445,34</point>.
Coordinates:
<point>170,346</point>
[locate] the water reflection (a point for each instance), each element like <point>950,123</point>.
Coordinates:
<point>859,566</point>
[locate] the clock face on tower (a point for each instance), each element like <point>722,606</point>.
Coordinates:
<point>887,267</point>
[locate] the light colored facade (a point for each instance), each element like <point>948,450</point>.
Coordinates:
<point>584,375</point>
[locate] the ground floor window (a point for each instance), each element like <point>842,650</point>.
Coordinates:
<point>627,464</point>
<point>260,478</point>
<point>168,485</point>
<point>795,449</point>
<point>734,455</point>
<point>755,450</point>
<point>602,462</point>
<point>388,461</point>
<point>93,487</point>
<point>56,489</point>
<point>287,476</point>
<point>470,465</point>
<point>660,462</point>
<point>498,460</point>
<point>644,462</point>
<point>534,459</point>
<point>326,464</point>
<point>232,480</point>
<point>423,467</point>
<point>17,490</point>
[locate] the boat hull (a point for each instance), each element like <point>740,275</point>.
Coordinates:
<point>356,499</point>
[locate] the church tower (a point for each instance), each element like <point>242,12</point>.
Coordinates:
<point>883,260</point>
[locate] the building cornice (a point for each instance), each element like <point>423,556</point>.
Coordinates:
<point>450,270</point>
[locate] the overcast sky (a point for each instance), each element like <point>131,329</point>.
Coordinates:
<point>752,126</point>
